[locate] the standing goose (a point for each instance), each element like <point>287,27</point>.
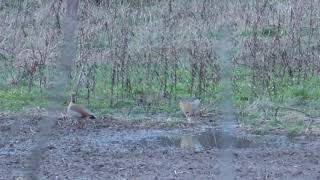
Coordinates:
<point>188,106</point>
<point>77,111</point>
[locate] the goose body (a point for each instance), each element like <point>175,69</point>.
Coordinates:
<point>189,105</point>
<point>76,111</point>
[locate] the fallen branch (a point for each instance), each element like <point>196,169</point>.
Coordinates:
<point>297,110</point>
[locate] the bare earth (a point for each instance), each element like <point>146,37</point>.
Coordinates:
<point>113,149</point>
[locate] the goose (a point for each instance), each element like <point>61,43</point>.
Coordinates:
<point>188,106</point>
<point>76,111</point>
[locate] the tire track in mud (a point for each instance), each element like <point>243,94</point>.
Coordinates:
<point>228,122</point>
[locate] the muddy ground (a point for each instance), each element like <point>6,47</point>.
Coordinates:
<point>115,149</point>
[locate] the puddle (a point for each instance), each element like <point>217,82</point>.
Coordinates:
<point>217,138</point>
<point>208,139</point>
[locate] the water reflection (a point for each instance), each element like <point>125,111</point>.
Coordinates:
<point>205,140</point>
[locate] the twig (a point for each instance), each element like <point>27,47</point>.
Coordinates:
<point>311,117</point>
<point>298,110</point>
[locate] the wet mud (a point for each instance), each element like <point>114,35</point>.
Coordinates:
<point>113,149</point>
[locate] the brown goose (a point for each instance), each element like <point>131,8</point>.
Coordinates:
<point>188,106</point>
<point>76,111</point>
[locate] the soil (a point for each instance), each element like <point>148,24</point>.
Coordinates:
<point>118,149</point>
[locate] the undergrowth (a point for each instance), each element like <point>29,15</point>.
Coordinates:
<point>143,98</point>
<point>265,112</point>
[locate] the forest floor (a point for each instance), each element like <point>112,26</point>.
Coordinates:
<point>119,149</point>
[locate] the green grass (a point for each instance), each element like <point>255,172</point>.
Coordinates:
<point>265,32</point>
<point>15,99</point>
<point>243,85</point>
<point>287,90</point>
<point>304,96</point>
<point>296,128</point>
<point>272,31</point>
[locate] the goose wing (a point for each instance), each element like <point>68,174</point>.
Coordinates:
<point>81,110</point>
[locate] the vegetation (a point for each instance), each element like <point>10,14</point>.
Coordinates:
<point>145,55</point>
<point>277,67</point>
<point>126,57</point>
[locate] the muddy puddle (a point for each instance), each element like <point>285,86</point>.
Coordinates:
<point>191,153</point>
<point>211,138</point>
